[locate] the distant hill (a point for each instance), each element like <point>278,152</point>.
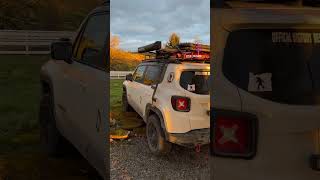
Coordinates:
<point>124,61</point>
<point>44,14</point>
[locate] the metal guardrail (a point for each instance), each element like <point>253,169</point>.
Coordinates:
<point>119,74</point>
<point>30,42</point>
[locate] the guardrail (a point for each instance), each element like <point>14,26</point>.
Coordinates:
<point>30,42</point>
<point>119,74</point>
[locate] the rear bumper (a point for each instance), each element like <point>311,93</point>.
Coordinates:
<point>191,138</point>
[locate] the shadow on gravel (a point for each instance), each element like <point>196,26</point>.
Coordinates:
<point>131,159</point>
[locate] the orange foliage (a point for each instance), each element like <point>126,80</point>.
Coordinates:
<point>118,54</point>
<point>120,59</point>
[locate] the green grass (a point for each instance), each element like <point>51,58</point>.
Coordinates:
<point>19,92</point>
<point>128,121</point>
<point>115,95</point>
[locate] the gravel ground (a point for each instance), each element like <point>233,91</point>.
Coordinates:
<point>131,159</point>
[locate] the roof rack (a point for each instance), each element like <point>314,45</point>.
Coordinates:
<point>186,52</point>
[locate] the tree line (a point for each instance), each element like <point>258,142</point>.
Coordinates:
<point>44,14</point>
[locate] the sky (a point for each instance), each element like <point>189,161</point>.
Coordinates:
<point>141,22</point>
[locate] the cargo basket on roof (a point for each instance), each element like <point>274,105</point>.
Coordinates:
<point>191,52</point>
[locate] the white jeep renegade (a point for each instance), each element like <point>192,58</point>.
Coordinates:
<point>74,104</point>
<point>172,96</point>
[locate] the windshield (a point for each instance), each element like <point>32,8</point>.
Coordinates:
<point>195,81</point>
<point>281,65</point>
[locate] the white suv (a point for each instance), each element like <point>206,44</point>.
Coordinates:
<point>173,98</point>
<point>74,104</point>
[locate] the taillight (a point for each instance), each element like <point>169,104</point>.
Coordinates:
<point>180,103</point>
<point>234,135</point>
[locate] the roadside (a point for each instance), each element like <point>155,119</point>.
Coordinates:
<point>131,158</point>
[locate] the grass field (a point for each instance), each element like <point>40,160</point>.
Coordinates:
<point>19,92</point>
<point>129,121</point>
<point>21,156</point>
<point>115,95</point>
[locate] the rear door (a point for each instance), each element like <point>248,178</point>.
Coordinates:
<point>277,74</point>
<point>196,83</point>
<point>152,77</point>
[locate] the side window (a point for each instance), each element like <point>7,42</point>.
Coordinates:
<point>90,45</point>
<point>138,74</point>
<point>152,75</point>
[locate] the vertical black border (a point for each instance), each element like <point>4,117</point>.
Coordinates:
<point>106,60</point>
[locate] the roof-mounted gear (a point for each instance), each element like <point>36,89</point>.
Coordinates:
<point>191,52</point>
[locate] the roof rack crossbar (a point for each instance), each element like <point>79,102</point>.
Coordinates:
<point>183,51</point>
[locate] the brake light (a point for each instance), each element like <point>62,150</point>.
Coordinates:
<point>180,103</point>
<point>234,136</point>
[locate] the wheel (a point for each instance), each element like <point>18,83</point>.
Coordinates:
<point>155,136</point>
<point>125,105</point>
<point>53,142</point>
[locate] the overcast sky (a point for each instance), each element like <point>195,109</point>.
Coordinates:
<point>140,22</point>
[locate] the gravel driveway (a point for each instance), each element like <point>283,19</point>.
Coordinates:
<point>131,159</point>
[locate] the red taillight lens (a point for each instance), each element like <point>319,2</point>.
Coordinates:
<point>180,103</point>
<point>234,136</point>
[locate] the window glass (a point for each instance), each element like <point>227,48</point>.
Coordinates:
<point>152,75</point>
<point>195,81</point>
<point>279,65</point>
<point>138,74</point>
<point>92,41</point>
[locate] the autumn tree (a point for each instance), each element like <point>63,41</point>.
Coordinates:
<point>121,60</point>
<point>114,41</point>
<point>174,40</point>
<point>197,40</point>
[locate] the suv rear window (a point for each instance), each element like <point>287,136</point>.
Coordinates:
<point>195,81</point>
<point>281,65</point>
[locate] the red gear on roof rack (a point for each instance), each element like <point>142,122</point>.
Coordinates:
<point>183,52</point>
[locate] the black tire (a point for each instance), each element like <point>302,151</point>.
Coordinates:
<point>155,137</point>
<point>53,142</point>
<point>125,105</point>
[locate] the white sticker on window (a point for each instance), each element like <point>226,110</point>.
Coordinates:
<point>260,82</point>
<point>191,87</point>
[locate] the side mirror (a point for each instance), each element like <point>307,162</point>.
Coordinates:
<point>62,50</point>
<point>129,77</point>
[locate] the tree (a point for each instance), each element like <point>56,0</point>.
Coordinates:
<point>114,41</point>
<point>174,40</point>
<point>197,39</point>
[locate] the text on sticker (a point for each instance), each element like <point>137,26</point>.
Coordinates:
<point>295,37</point>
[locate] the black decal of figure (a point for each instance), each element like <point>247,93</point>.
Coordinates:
<point>259,81</point>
